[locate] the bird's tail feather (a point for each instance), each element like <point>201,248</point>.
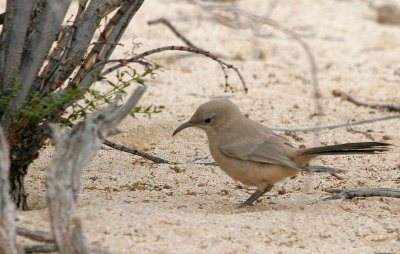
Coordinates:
<point>349,148</point>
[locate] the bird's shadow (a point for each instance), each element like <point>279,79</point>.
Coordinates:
<point>231,206</point>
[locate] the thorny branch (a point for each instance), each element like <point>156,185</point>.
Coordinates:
<point>139,57</point>
<point>355,100</point>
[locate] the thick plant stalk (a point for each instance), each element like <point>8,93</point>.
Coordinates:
<point>7,210</point>
<point>74,149</point>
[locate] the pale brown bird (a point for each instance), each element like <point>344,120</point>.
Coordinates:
<point>251,153</point>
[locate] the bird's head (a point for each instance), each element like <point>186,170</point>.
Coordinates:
<point>211,115</point>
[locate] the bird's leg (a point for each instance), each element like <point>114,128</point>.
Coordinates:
<point>256,195</point>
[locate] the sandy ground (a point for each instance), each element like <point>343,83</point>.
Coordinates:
<point>130,205</point>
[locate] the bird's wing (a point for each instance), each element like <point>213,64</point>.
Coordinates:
<point>270,149</point>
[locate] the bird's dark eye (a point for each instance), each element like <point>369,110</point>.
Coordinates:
<point>208,120</point>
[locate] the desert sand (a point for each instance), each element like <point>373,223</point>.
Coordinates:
<point>132,205</point>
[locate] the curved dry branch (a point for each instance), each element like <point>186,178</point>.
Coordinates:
<point>173,29</point>
<point>139,57</point>
<point>355,100</point>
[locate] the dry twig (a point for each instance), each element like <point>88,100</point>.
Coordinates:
<point>47,248</point>
<point>152,157</point>
<point>42,236</point>
<point>363,192</point>
<point>137,152</point>
<point>367,133</point>
<point>173,29</point>
<point>333,126</point>
<point>355,100</point>
<point>323,169</point>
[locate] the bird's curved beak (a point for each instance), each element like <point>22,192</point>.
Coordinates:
<point>183,126</point>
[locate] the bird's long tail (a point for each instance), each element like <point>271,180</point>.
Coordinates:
<point>349,148</point>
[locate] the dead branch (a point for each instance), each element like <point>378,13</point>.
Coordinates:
<point>7,210</point>
<point>323,169</point>
<point>363,192</point>
<point>151,157</point>
<point>200,158</point>
<point>133,150</point>
<point>47,248</point>
<point>212,163</point>
<point>355,100</point>
<point>367,133</point>
<point>74,149</point>
<point>139,57</point>
<point>36,235</point>
<point>137,152</point>
<point>173,29</point>
<point>42,236</point>
<point>180,35</point>
<point>333,126</point>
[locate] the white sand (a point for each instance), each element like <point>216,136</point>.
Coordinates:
<point>135,206</point>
